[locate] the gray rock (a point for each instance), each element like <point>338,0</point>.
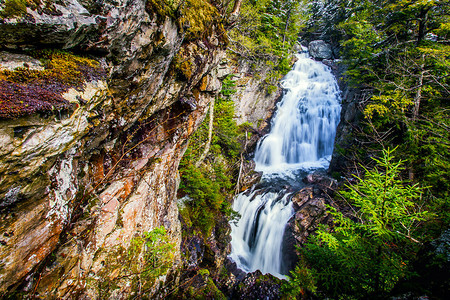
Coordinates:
<point>320,50</point>
<point>11,61</point>
<point>68,25</point>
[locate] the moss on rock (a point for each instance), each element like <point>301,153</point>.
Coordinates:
<point>199,18</point>
<point>26,91</point>
<point>13,8</point>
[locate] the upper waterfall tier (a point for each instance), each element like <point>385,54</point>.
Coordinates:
<point>304,127</point>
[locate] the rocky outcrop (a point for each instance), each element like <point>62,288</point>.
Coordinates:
<point>345,144</point>
<point>310,205</point>
<point>257,286</point>
<point>254,102</point>
<point>240,285</point>
<point>249,177</point>
<point>319,49</point>
<point>79,185</point>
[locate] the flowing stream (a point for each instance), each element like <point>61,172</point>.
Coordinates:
<point>301,140</point>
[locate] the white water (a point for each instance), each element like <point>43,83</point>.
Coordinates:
<point>301,138</point>
<point>304,126</point>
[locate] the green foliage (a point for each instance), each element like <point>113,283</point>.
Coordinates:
<point>367,254</point>
<point>267,27</point>
<point>267,31</point>
<point>206,188</point>
<point>152,254</point>
<point>210,185</point>
<point>399,50</point>
<point>148,257</point>
<point>323,18</point>
<point>301,280</point>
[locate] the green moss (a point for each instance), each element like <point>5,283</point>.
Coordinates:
<point>186,69</point>
<point>184,213</point>
<point>197,17</point>
<point>163,7</point>
<point>18,8</point>
<point>207,290</point>
<point>183,65</point>
<point>203,272</point>
<point>14,8</point>
<point>271,88</point>
<point>61,67</point>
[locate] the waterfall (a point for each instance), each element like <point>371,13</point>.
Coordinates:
<point>301,140</point>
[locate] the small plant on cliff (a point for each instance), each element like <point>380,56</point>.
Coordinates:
<point>152,253</point>
<point>148,257</point>
<point>367,254</point>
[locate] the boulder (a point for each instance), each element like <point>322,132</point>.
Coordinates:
<point>258,286</point>
<point>250,177</point>
<point>320,50</point>
<point>310,205</point>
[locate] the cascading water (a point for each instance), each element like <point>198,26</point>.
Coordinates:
<point>301,140</point>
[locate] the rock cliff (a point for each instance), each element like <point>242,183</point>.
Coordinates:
<point>91,168</point>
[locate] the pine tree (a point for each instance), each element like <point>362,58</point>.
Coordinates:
<point>365,254</point>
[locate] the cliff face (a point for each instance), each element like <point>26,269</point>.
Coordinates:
<point>83,178</point>
<point>253,102</point>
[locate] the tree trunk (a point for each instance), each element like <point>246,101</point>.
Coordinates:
<point>236,8</point>
<point>287,25</point>
<point>418,96</point>
<point>423,19</point>
<point>210,131</point>
<point>238,184</point>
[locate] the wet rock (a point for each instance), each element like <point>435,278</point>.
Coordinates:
<point>289,249</point>
<point>249,176</point>
<point>66,24</point>
<point>322,181</point>
<point>219,246</point>
<point>319,49</point>
<point>258,286</point>
<point>210,252</point>
<point>193,249</point>
<point>351,116</point>
<point>11,197</point>
<point>307,218</point>
<point>310,207</point>
<point>238,284</point>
